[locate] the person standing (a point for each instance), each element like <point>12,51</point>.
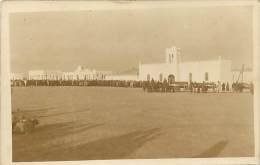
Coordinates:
<point>199,86</point>
<point>165,85</point>
<point>223,87</point>
<point>227,87</point>
<point>191,87</point>
<point>251,88</point>
<point>219,86</point>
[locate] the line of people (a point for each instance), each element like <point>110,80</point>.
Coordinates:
<point>109,83</point>
<point>149,86</point>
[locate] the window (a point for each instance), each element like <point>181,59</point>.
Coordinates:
<point>206,76</point>
<point>190,77</point>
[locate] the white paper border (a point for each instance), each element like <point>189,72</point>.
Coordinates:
<point>47,6</point>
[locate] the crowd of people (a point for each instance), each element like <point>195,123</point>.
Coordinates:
<point>196,87</point>
<point>166,86</point>
<point>209,86</point>
<point>148,86</point>
<point>109,83</point>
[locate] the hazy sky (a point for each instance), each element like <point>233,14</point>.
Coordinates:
<point>118,40</point>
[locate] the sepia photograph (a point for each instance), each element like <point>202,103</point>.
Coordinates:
<point>129,81</point>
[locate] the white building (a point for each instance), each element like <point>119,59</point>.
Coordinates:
<point>126,75</point>
<point>82,73</point>
<point>36,75</point>
<point>17,76</point>
<point>196,71</point>
<point>123,77</point>
<point>101,75</point>
<point>44,75</point>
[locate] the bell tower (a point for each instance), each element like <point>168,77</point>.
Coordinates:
<point>172,59</point>
<point>172,55</point>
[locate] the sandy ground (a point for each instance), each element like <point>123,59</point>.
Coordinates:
<point>80,123</point>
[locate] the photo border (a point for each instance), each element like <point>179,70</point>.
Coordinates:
<point>59,6</point>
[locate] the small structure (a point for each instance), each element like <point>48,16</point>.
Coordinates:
<point>127,75</point>
<point>246,77</point>
<point>44,75</point>
<point>122,77</point>
<point>82,73</point>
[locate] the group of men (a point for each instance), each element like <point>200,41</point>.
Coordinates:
<point>163,86</point>
<point>109,83</point>
<point>194,87</point>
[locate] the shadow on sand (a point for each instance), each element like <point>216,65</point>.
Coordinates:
<point>117,147</point>
<point>43,112</point>
<point>64,113</point>
<point>213,151</point>
<point>57,130</point>
<point>27,146</point>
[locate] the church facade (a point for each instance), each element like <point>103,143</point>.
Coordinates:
<point>195,71</point>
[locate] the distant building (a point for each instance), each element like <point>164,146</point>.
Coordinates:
<point>101,75</point>
<point>127,75</point>
<point>196,71</point>
<point>36,75</point>
<point>82,73</point>
<point>17,76</point>
<point>122,77</point>
<point>44,75</point>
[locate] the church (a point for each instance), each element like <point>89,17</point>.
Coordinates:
<point>196,71</point>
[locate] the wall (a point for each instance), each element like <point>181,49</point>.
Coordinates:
<point>122,77</point>
<point>37,75</point>
<point>155,70</point>
<point>198,70</point>
<point>225,71</point>
<point>17,76</point>
<point>218,70</point>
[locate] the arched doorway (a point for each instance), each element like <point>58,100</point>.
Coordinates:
<point>171,78</point>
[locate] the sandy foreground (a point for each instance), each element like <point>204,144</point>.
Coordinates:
<point>82,123</point>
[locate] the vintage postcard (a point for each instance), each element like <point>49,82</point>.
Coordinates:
<point>130,82</point>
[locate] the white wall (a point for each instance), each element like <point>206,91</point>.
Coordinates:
<point>43,75</point>
<point>155,70</point>
<point>218,70</point>
<point>225,71</point>
<point>198,70</point>
<point>36,75</point>
<point>122,77</point>
<point>17,76</point>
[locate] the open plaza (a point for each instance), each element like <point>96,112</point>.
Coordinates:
<point>86,123</point>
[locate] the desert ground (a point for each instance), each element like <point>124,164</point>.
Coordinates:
<point>83,123</point>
